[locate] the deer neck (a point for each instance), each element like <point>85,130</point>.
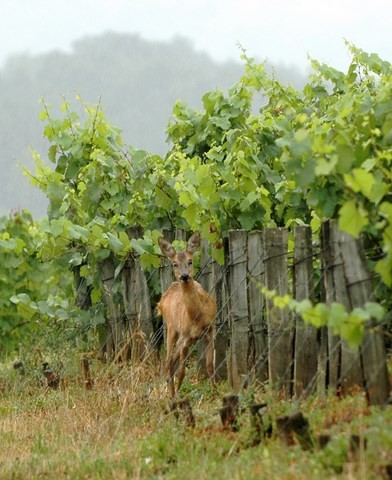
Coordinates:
<point>191,299</point>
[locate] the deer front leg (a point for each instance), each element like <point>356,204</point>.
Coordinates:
<point>184,349</point>
<point>171,361</point>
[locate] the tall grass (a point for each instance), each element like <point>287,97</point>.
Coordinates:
<point>123,428</point>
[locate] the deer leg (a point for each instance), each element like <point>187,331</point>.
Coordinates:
<point>181,368</point>
<point>209,340</point>
<point>171,361</point>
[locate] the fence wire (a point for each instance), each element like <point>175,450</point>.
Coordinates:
<point>225,314</point>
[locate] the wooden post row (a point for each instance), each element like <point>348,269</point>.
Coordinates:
<point>265,341</point>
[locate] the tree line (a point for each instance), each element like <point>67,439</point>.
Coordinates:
<point>138,81</point>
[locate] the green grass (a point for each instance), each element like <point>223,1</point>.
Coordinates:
<point>123,429</point>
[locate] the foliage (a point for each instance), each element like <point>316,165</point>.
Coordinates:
<point>324,151</point>
<point>149,76</point>
<point>28,285</point>
<point>98,190</point>
<point>348,325</point>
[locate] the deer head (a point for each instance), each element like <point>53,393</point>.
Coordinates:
<point>181,261</point>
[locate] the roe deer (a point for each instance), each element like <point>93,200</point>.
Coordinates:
<point>188,311</point>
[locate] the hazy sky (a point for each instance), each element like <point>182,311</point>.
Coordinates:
<point>277,30</point>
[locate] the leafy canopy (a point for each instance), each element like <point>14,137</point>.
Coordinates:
<point>321,152</point>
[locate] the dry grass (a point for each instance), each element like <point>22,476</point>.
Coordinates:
<point>123,428</point>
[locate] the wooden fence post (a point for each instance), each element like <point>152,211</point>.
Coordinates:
<point>259,342</point>
<point>348,281</point>
<point>138,312</point>
<point>83,291</point>
<point>344,362</point>
<point>166,276</point>
<point>331,342</point>
<point>360,290</point>
<point>305,352</point>
<point>280,321</point>
<point>222,338</point>
<point>207,277</point>
<point>218,287</point>
<point>114,337</point>
<point>238,308</point>
<point>137,305</point>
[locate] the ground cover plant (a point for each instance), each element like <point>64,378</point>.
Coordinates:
<point>123,427</point>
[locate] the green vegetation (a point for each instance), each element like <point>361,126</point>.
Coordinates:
<point>321,152</point>
<point>138,81</point>
<point>124,429</point>
<point>324,151</point>
<point>29,282</point>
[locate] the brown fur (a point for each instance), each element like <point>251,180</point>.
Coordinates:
<point>188,311</point>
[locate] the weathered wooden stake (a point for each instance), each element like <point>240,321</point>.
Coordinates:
<point>208,278</point>
<point>294,427</point>
<point>305,353</point>
<point>114,337</point>
<point>348,281</point>
<point>238,308</point>
<point>182,408</point>
<point>88,381</point>
<point>260,427</point>
<point>222,337</point>
<point>229,412</point>
<point>280,321</point>
<point>258,324</point>
<point>372,353</point>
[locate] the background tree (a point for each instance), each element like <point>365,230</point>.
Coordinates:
<point>138,81</point>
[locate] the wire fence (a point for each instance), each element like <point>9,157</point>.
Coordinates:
<point>254,341</point>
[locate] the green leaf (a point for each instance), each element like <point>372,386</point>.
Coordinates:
<point>326,166</point>
<point>352,218</point>
<point>185,199</point>
<point>115,244</point>
<point>337,316</point>
<point>352,330</point>
<point>21,298</point>
<point>317,316</point>
<point>302,144</point>
<point>52,153</point>
<point>375,310</point>
<point>360,181</point>
<point>78,232</point>
<point>346,157</point>
<point>384,268</point>
<point>191,214</point>
<point>281,302</point>
<point>247,220</point>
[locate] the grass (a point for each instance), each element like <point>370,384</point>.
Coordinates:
<point>123,429</point>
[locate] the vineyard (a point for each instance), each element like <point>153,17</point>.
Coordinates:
<point>293,201</point>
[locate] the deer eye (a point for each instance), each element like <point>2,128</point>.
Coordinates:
<point>190,262</point>
<point>175,265</point>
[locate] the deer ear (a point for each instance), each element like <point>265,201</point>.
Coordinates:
<point>166,247</point>
<point>193,243</point>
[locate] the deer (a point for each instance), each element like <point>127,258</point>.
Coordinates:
<point>188,312</point>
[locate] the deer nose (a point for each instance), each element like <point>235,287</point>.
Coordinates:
<point>185,277</point>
